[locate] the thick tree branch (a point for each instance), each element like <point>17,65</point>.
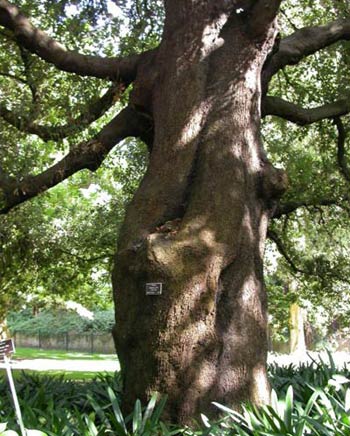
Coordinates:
<point>341,156</point>
<point>279,244</point>
<point>92,112</point>
<point>311,271</point>
<point>304,42</point>
<point>38,42</point>
<point>297,114</point>
<point>288,208</point>
<point>88,154</point>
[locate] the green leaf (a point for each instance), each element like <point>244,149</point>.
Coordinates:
<point>35,433</point>
<point>9,433</point>
<point>137,418</point>
<point>288,409</point>
<point>347,400</point>
<point>117,412</point>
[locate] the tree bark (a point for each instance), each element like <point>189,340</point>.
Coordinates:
<point>198,222</point>
<point>4,331</point>
<point>296,326</point>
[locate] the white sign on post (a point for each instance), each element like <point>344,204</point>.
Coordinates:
<point>6,349</point>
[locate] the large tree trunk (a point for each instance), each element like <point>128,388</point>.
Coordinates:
<point>198,222</point>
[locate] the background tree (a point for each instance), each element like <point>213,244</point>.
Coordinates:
<point>198,221</point>
<point>60,247</point>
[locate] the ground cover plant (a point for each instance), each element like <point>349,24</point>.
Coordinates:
<point>50,402</point>
<point>310,399</point>
<point>78,376</point>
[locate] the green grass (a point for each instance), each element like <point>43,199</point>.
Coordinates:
<point>67,375</point>
<point>37,353</point>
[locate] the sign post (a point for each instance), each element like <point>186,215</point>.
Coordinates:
<point>6,349</point>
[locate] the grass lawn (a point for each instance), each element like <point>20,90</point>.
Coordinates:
<point>57,355</point>
<point>68,375</point>
<point>37,353</point>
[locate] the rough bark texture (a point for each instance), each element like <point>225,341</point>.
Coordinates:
<point>198,221</point>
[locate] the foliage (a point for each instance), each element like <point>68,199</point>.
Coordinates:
<point>313,241</point>
<point>312,399</point>
<point>4,432</point>
<point>60,407</point>
<point>60,245</point>
<point>60,321</point>
<point>29,432</point>
<point>323,414</point>
<point>47,402</point>
<point>146,423</point>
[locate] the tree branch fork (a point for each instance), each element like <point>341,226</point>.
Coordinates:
<point>133,122</point>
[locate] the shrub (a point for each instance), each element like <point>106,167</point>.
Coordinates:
<point>52,322</point>
<point>47,401</point>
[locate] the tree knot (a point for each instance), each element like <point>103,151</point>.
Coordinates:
<point>169,227</point>
<point>274,182</point>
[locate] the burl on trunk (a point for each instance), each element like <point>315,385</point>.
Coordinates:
<point>197,224</point>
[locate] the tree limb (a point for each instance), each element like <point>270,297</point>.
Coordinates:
<point>279,244</point>
<point>341,156</point>
<point>288,208</point>
<point>38,42</point>
<point>92,112</point>
<point>301,116</point>
<point>88,154</point>
<point>304,42</point>
<point>311,271</point>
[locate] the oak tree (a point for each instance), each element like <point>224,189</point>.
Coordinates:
<point>197,224</point>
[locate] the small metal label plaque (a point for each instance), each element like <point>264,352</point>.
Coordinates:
<point>154,288</point>
<point>6,347</point>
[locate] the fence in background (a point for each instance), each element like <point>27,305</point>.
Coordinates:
<point>84,342</point>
